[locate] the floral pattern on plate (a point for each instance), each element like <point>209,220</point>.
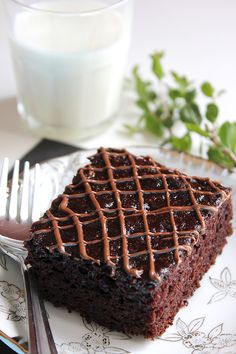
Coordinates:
<point>225,286</point>
<point>199,342</point>
<point>12,301</point>
<point>98,340</point>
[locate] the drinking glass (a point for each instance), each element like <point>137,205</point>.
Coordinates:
<point>69,59</point>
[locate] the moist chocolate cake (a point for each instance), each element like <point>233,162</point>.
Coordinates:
<point>128,241</point>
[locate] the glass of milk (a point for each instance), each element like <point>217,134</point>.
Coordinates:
<point>69,58</point>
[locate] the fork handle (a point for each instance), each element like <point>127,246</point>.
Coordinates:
<point>40,335</point>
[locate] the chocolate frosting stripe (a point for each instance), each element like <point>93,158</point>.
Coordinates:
<point>195,204</point>
<point>103,220</point>
<point>56,231</point>
<point>139,211</point>
<point>122,192</point>
<point>125,252</point>
<point>138,234</point>
<point>82,248</point>
<point>172,219</point>
<point>152,272</point>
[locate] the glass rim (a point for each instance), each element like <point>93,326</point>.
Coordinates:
<point>117,3</point>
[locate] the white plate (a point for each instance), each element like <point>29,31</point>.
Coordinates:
<point>206,326</point>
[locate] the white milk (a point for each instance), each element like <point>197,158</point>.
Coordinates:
<point>69,68</point>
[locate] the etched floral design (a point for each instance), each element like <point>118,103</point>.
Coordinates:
<point>12,301</point>
<point>3,261</point>
<point>199,342</point>
<point>225,286</point>
<point>98,340</point>
<point>17,310</point>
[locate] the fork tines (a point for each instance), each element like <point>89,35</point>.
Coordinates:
<point>19,197</point>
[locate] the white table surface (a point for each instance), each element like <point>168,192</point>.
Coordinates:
<point>198,37</point>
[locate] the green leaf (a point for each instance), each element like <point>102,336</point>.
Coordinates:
<point>169,120</point>
<point>153,125</point>
<point>142,104</point>
<point>183,143</point>
<point>152,95</point>
<point>142,87</point>
<point>212,112</point>
<point>197,112</point>
<point>190,95</point>
<point>159,111</point>
<point>227,135</point>
<point>190,114</point>
<point>182,81</point>
<point>216,155</point>
<point>207,89</point>
<point>174,94</point>
<point>157,67</point>
<point>197,129</point>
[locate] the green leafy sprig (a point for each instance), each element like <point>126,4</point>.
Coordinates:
<point>169,107</point>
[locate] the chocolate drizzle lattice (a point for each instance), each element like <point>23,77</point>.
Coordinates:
<point>130,212</point>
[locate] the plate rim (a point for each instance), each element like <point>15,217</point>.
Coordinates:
<point>188,155</point>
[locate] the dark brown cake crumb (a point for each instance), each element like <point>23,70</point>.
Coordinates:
<point>128,241</point>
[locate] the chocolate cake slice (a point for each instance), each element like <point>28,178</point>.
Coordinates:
<point>128,241</point>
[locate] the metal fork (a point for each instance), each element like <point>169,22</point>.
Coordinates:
<point>18,206</point>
